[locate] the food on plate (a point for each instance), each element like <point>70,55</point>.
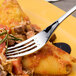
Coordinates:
<point>16,27</point>
<point>53,37</point>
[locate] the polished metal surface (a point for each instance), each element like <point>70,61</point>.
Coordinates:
<point>52,0</point>
<point>38,41</point>
<point>67,14</point>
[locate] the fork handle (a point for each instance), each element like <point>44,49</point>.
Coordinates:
<point>67,14</point>
<point>50,29</point>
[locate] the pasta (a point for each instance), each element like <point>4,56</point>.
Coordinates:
<point>48,61</point>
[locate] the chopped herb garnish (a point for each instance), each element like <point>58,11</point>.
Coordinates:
<point>14,38</point>
<point>6,38</point>
<point>3,39</point>
<point>3,33</point>
<point>7,43</point>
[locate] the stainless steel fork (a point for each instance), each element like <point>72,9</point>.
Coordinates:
<point>52,0</point>
<point>36,42</point>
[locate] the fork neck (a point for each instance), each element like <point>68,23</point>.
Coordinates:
<point>50,29</point>
<point>53,26</point>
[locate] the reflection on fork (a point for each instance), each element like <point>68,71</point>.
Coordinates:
<point>52,0</point>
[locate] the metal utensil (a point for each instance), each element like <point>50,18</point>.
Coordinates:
<point>52,0</point>
<point>38,41</point>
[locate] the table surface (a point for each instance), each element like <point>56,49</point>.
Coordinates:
<point>66,5</point>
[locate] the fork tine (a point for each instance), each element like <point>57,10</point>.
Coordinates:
<point>20,44</point>
<point>21,47</point>
<point>25,53</point>
<point>31,47</point>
